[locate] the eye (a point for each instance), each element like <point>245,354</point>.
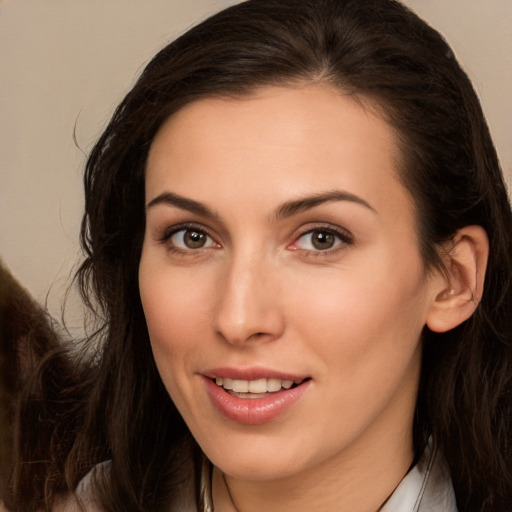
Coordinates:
<point>190,239</point>
<point>321,240</point>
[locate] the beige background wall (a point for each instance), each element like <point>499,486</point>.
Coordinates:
<point>66,64</point>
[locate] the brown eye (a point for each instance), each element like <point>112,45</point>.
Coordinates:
<point>322,240</point>
<point>190,239</point>
<point>194,239</point>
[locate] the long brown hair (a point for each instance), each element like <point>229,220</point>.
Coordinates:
<point>37,378</point>
<point>366,48</point>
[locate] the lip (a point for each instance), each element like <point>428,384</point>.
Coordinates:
<point>251,374</point>
<point>253,411</point>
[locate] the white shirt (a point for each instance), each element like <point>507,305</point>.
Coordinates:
<point>427,487</point>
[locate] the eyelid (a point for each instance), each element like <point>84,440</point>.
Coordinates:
<point>346,238</point>
<point>170,231</point>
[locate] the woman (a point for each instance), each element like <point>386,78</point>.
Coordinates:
<point>298,235</point>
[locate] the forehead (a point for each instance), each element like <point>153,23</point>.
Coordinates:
<point>279,141</point>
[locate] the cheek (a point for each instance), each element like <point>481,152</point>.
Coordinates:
<point>177,321</point>
<point>178,315</point>
<point>366,320</point>
<point>364,336</point>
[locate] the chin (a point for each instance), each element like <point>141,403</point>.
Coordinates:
<point>253,458</point>
<point>261,470</point>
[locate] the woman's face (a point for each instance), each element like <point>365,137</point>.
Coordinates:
<point>281,250</point>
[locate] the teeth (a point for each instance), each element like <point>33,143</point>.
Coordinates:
<point>274,384</point>
<point>240,386</point>
<point>258,386</point>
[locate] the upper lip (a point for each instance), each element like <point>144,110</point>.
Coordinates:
<point>253,373</point>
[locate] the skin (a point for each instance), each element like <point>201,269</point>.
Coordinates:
<point>258,293</point>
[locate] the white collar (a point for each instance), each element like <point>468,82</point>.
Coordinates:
<point>426,488</point>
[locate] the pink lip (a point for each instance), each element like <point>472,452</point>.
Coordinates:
<point>253,411</point>
<point>251,374</point>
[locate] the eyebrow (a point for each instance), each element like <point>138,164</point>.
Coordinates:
<point>302,204</point>
<point>287,209</point>
<point>171,199</point>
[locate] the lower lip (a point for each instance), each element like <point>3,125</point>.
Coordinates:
<point>254,411</point>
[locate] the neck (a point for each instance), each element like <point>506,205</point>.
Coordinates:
<point>350,481</point>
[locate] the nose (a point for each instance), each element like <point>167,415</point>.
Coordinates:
<point>248,310</point>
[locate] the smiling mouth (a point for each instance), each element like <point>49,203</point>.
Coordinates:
<point>259,388</point>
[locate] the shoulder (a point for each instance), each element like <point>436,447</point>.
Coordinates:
<point>82,500</point>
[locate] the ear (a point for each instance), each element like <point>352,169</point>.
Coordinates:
<point>458,290</point>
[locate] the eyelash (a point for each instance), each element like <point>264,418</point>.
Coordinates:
<point>170,232</point>
<point>344,237</point>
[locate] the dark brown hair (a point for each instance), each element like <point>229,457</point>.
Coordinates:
<point>374,49</point>
<point>36,377</point>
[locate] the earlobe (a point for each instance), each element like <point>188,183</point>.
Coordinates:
<point>459,288</point>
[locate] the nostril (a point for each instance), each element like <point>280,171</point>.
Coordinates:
<point>257,335</point>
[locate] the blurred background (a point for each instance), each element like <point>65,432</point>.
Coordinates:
<point>66,64</point>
